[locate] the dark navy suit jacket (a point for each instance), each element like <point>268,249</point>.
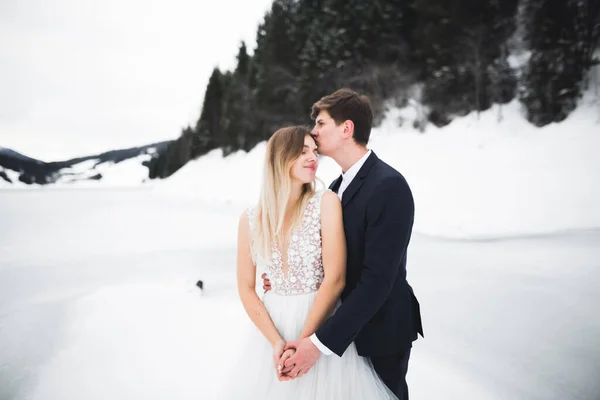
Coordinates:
<point>379,311</point>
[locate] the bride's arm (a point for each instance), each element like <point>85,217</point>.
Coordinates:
<point>334,263</point>
<point>246,281</point>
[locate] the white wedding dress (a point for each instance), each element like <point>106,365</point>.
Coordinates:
<point>288,303</point>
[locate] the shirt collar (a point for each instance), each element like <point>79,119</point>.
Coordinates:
<point>353,170</point>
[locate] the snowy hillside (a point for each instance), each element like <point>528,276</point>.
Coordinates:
<point>121,167</point>
<point>126,173</point>
<point>480,176</point>
<point>496,175</point>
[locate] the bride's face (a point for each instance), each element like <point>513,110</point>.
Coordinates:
<point>304,168</point>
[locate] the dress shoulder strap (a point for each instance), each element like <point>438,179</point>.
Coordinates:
<point>316,199</point>
<point>251,212</point>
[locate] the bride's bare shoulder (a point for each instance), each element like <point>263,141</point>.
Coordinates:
<point>246,217</point>
<point>330,202</point>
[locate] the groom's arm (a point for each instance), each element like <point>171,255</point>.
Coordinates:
<point>390,215</point>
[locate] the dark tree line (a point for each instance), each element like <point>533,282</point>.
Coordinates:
<point>456,52</point>
<point>562,37</point>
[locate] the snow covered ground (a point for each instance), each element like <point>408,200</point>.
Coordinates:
<point>98,300</point>
<point>97,284</point>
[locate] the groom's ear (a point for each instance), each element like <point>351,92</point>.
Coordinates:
<point>348,129</point>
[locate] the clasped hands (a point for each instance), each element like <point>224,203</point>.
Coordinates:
<point>294,359</point>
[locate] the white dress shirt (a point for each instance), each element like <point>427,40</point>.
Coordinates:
<point>347,178</point>
<point>349,175</point>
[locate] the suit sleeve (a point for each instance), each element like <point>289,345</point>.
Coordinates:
<point>390,215</point>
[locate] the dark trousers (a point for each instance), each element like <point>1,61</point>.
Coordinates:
<point>392,370</point>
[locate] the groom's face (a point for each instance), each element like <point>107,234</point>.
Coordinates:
<point>328,134</point>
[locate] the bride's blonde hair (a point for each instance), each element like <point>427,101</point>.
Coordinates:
<point>283,149</point>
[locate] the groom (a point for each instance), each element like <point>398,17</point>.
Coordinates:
<point>379,311</point>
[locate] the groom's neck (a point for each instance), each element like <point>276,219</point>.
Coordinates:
<point>349,155</point>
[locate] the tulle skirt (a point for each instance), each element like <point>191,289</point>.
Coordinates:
<point>350,377</point>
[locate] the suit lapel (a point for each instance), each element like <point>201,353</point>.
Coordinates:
<point>358,180</point>
<point>335,185</point>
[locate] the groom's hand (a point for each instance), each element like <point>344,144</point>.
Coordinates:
<point>305,357</point>
<point>266,282</point>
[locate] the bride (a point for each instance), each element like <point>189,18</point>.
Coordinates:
<point>295,234</point>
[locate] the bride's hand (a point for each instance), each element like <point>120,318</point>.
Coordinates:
<point>277,355</point>
<point>285,370</point>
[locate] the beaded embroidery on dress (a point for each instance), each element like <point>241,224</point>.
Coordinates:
<point>304,262</point>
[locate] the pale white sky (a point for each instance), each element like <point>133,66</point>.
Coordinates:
<point>84,76</point>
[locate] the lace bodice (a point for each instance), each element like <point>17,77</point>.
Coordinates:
<point>304,261</point>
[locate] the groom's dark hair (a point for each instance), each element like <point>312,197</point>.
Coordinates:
<point>346,104</point>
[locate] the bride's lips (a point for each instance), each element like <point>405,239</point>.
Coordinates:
<point>311,167</point>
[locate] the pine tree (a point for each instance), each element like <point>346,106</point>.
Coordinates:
<point>561,37</point>
<point>275,69</point>
<point>243,61</point>
<point>321,57</point>
<point>208,128</point>
<point>238,116</point>
<point>460,45</point>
